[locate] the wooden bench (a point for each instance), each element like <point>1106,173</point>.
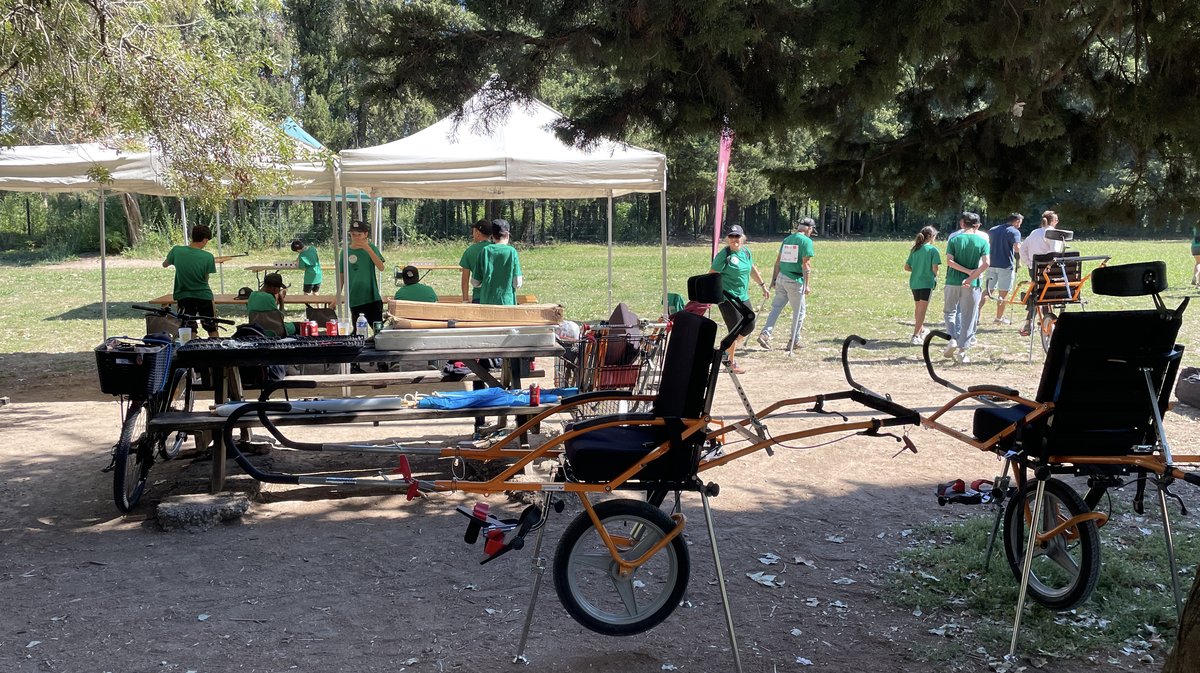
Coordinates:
<point>206,426</point>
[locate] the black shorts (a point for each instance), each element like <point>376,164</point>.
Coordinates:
<point>314,288</point>
<point>731,316</point>
<point>200,307</point>
<point>923,294</point>
<point>373,312</point>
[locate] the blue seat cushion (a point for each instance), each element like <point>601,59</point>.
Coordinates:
<point>990,421</point>
<point>601,455</point>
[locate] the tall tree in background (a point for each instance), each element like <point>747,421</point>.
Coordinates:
<point>128,72</point>
<point>933,103</point>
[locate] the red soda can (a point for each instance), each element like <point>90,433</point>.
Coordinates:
<point>303,328</point>
<point>331,328</point>
<point>313,330</point>
<point>535,395</point>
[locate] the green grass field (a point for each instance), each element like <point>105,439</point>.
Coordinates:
<point>858,287</point>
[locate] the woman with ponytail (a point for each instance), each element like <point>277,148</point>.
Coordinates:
<point>922,266</point>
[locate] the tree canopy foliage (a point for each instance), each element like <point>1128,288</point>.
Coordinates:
<point>137,73</point>
<point>933,103</point>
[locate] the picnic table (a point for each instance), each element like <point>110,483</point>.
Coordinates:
<point>228,387</point>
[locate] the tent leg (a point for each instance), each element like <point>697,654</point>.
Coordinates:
<point>662,216</point>
<point>220,267</point>
<point>610,252</point>
<point>103,269</point>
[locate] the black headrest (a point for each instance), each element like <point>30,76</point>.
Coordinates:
<point>1060,235</point>
<point>706,288</point>
<point>1130,280</point>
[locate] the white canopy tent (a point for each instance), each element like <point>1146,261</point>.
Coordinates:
<point>107,169</point>
<point>513,156</point>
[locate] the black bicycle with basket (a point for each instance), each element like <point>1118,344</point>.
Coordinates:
<point>140,372</point>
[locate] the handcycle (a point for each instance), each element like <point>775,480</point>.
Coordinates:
<point>622,565</point>
<point>1058,281</point>
<point>140,372</point>
<point>1097,414</point>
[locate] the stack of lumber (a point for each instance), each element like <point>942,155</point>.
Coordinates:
<point>427,315</point>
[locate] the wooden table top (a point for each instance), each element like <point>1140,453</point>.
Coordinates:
<point>297,299</point>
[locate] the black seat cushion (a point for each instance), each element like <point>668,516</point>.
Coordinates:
<point>601,455</point>
<point>990,421</point>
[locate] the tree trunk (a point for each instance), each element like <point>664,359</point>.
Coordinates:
<point>133,218</point>
<point>1185,657</point>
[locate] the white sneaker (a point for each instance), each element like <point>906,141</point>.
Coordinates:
<point>950,349</point>
<point>764,340</point>
<point>916,340</point>
<point>961,356</point>
<point>1006,320</point>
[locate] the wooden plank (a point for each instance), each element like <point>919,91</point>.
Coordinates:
<point>531,314</point>
<point>452,298</point>
<point>407,323</point>
<point>231,299</point>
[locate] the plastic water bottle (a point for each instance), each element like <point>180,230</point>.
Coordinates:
<point>360,325</point>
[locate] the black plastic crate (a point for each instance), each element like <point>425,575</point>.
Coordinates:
<point>134,367</point>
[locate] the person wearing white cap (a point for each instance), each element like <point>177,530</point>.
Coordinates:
<point>791,279</point>
<point>736,266</point>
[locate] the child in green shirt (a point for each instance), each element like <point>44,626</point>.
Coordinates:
<point>413,289</point>
<point>922,265</point>
<point>193,265</point>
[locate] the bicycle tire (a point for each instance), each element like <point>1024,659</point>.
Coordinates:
<point>180,399</point>
<point>1049,320</point>
<point>1065,568</point>
<point>586,579</point>
<point>132,457</point>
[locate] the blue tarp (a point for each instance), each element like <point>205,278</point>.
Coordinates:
<point>490,397</point>
<point>295,130</point>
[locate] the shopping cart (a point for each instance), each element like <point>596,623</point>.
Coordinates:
<point>612,358</point>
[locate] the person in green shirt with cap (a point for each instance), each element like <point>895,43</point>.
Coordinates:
<point>966,260</point>
<point>269,301</point>
<point>497,272</point>
<point>791,278</point>
<point>365,261</point>
<point>481,237</point>
<point>736,266</point>
<point>309,262</point>
<point>193,265</point>
<point>413,289</point>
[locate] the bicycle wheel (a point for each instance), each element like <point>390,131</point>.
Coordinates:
<point>1065,568</point>
<point>181,399</point>
<point>588,581</point>
<point>1047,328</point>
<point>132,457</point>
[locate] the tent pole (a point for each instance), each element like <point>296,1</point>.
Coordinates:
<point>610,227</point>
<point>103,271</point>
<point>220,267</point>
<point>344,219</point>
<point>183,220</point>
<point>662,215</point>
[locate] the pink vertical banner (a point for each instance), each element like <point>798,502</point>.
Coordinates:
<point>722,174</point>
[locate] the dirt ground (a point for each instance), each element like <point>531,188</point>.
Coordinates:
<point>316,579</point>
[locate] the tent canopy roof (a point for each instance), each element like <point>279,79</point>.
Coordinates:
<point>71,168</point>
<point>515,156</point>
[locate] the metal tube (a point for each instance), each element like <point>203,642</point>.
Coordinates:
<point>103,270</point>
<point>220,267</point>
<point>539,572</point>
<point>1030,540</point>
<point>610,252</point>
<point>662,214</point>
<point>1158,421</point>
<point>1170,538</point>
<point>712,538</point>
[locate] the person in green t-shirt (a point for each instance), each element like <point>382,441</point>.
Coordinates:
<point>1196,253</point>
<point>264,307</point>
<point>309,262</point>
<point>966,260</point>
<point>365,261</point>
<point>791,278</point>
<point>481,237</point>
<point>497,272</point>
<point>413,289</point>
<point>736,266</point>
<point>193,265</point>
<point>922,267</point>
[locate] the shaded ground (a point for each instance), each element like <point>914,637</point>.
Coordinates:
<point>320,580</point>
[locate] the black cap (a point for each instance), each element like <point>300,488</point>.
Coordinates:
<point>410,274</point>
<point>735,230</point>
<point>484,227</point>
<point>243,293</point>
<point>297,245</point>
<point>499,228</point>
<point>273,280</point>
<point>359,225</point>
